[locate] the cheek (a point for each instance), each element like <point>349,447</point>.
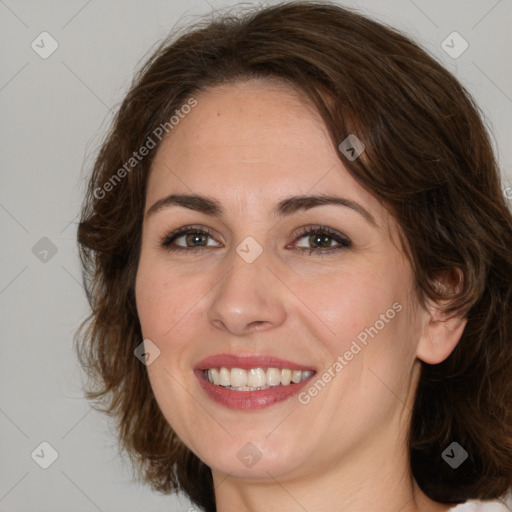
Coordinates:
<point>165,307</point>
<point>348,302</point>
<point>372,326</point>
<point>165,298</point>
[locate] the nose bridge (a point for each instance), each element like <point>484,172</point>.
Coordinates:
<point>249,294</point>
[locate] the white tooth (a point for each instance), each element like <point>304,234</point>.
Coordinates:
<point>273,377</point>
<point>214,376</point>
<point>296,376</point>
<point>238,377</point>
<point>256,378</point>
<point>224,377</point>
<point>248,388</point>
<point>306,374</point>
<point>286,376</point>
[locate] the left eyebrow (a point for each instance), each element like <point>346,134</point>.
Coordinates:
<point>287,206</point>
<point>292,204</point>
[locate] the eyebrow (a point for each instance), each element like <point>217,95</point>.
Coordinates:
<point>287,206</point>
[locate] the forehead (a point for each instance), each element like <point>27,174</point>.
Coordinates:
<point>252,141</point>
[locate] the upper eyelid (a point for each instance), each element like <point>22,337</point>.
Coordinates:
<point>297,232</point>
<point>321,229</point>
<point>185,230</point>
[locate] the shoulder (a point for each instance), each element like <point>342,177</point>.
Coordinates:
<point>480,506</point>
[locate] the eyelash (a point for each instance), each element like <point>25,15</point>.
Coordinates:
<point>343,241</point>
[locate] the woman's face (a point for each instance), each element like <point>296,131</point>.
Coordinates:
<point>250,287</point>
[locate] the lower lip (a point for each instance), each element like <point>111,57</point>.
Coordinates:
<point>249,400</point>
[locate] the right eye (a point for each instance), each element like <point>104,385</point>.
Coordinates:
<point>188,238</point>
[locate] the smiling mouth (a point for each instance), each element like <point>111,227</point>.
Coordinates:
<point>255,379</point>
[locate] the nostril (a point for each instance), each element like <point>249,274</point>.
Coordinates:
<point>258,324</point>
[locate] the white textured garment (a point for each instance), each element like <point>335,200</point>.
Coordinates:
<point>480,506</point>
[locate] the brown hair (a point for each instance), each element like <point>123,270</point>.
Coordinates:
<point>428,158</point>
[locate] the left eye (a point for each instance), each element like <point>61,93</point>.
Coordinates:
<point>322,238</point>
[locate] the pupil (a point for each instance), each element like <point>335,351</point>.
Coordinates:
<point>195,237</point>
<point>317,239</point>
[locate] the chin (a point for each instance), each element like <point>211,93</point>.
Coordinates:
<point>256,458</point>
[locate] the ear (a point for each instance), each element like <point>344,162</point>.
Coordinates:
<point>441,333</point>
<point>439,338</point>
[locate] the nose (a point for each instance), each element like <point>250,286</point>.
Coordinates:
<point>248,298</point>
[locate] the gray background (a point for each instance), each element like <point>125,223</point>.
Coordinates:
<point>53,113</point>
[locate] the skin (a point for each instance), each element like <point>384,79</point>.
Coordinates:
<point>249,145</point>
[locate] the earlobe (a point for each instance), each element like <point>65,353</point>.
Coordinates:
<point>439,338</point>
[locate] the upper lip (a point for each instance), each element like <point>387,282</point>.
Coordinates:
<point>246,362</point>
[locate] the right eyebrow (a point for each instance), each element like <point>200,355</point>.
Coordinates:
<point>194,202</point>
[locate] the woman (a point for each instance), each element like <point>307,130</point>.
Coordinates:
<point>298,258</point>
